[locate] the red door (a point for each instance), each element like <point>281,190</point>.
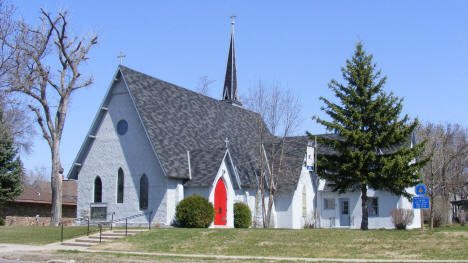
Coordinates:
<point>220,203</point>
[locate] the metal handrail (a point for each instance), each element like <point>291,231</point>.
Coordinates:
<point>100,224</point>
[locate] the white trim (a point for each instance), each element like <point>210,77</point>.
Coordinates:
<point>189,165</point>
<point>234,168</point>
<point>230,193</point>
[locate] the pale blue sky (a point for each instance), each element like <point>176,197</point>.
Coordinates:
<point>422,46</point>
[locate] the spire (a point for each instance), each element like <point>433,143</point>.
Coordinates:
<point>230,82</point>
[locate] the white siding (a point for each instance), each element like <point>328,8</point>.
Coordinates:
<point>386,203</point>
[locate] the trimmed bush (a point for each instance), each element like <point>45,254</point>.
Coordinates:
<point>195,212</point>
<point>402,217</point>
<point>2,221</point>
<point>242,216</point>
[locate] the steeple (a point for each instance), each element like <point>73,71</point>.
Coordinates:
<point>230,81</point>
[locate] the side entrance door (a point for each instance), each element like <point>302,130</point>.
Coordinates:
<point>220,203</point>
<point>344,212</point>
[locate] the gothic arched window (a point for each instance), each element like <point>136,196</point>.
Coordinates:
<point>97,190</point>
<point>143,192</point>
<point>120,186</point>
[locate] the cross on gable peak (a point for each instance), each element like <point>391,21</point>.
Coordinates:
<point>120,56</point>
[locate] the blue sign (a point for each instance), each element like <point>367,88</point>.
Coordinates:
<point>420,202</point>
<point>310,168</point>
<point>420,189</point>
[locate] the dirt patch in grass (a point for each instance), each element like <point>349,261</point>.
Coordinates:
<point>455,234</point>
<point>265,243</point>
<point>397,254</point>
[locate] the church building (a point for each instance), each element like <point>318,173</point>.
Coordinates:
<point>153,143</point>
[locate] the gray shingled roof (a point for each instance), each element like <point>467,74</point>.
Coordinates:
<point>179,120</point>
<point>204,164</point>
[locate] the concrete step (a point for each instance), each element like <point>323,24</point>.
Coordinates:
<point>104,238</point>
<point>115,234</point>
<point>130,231</point>
<point>87,240</point>
<point>78,244</point>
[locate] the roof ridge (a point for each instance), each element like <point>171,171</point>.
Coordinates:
<point>220,102</point>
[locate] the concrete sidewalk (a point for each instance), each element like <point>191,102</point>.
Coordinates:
<point>6,248</point>
<point>10,248</point>
<point>268,257</point>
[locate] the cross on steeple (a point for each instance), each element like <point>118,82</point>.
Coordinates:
<point>230,81</point>
<point>120,56</point>
<point>226,142</point>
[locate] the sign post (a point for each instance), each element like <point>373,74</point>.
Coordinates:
<point>421,202</point>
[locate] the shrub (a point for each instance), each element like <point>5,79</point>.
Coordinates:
<point>242,216</point>
<point>402,217</point>
<point>195,211</point>
<point>2,221</point>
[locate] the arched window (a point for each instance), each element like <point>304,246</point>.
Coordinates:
<point>97,190</point>
<point>143,192</point>
<point>304,202</point>
<point>120,186</point>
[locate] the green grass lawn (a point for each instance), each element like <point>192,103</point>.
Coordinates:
<point>445,243</point>
<point>38,235</point>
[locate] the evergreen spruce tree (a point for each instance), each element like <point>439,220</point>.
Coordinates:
<point>11,168</point>
<point>374,146</point>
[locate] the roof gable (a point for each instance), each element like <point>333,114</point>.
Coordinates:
<point>205,164</point>
<point>179,120</point>
<point>102,111</point>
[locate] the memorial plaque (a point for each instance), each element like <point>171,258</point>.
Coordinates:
<point>99,213</point>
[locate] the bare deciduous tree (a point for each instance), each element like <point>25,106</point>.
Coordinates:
<point>204,85</point>
<point>15,120</point>
<point>48,83</point>
<point>280,115</point>
<point>446,172</point>
<point>37,179</point>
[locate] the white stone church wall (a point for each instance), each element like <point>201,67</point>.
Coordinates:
<point>289,206</point>
<point>133,153</point>
<point>175,193</point>
<point>284,211</point>
<point>299,219</point>
<point>246,196</point>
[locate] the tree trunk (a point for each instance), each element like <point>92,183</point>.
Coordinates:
<point>270,206</point>
<point>365,215</point>
<point>431,212</point>
<point>56,184</point>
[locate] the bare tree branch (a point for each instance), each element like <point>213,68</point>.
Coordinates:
<point>278,118</point>
<point>30,76</point>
